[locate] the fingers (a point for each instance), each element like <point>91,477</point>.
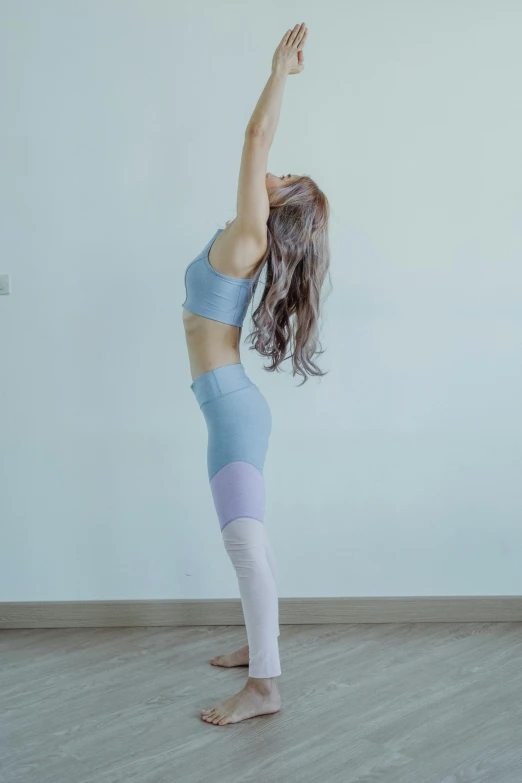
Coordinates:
<point>302,40</point>
<point>296,34</point>
<point>293,34</point>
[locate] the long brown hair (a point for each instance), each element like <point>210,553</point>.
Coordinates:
<point>297,262</point>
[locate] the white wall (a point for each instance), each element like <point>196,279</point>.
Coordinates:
<point>396,474</point>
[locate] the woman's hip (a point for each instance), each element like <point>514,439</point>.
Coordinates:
<point>238,417</point>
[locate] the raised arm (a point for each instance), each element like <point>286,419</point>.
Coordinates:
<point>252,198</point>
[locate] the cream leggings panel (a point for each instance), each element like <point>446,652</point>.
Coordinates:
<point>239,424</point>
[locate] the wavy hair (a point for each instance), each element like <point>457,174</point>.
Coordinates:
<point>297,262</point>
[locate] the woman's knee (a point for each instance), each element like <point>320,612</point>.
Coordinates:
<point>244,532</point>
<point>245,543</point>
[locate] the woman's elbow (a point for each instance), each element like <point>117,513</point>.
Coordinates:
<point>255,132</point>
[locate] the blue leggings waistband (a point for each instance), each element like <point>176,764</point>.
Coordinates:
<point>222,380</point>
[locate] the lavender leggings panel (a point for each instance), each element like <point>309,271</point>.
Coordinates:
<point>239,423</point>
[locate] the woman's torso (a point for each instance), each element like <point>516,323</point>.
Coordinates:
<point>211,343</point>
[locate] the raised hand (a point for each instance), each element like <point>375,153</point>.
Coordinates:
<point>289,55</point>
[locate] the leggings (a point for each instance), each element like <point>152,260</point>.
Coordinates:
<point>239,424</point>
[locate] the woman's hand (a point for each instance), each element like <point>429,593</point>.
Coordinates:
<point>289,57</point>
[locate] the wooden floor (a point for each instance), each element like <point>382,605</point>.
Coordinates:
<point>398,703</point>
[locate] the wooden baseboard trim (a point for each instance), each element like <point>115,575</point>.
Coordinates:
<point>292,611</point>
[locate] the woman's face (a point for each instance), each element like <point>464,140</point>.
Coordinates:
<point>273,181</point>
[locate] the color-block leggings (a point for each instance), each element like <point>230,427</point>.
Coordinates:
<point>239,423</point>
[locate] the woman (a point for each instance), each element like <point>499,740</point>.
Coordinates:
<point>281,223</point>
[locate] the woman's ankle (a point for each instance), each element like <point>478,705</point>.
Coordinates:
<point>264,685</point>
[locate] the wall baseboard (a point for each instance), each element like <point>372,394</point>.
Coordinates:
<point>292,611</point>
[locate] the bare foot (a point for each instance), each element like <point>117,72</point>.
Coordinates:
<point>237,658</point>
<point>258,697</point>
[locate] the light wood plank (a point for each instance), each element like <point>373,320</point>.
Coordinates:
<point>397,703</point>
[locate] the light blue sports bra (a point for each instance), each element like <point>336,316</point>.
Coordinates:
<point>214,295</point>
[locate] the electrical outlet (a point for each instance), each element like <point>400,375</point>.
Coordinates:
<point>5,288</point>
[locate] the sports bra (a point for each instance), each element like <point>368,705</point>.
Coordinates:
<point>214,295</point>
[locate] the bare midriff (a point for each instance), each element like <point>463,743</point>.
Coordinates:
<point>210,344</point>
